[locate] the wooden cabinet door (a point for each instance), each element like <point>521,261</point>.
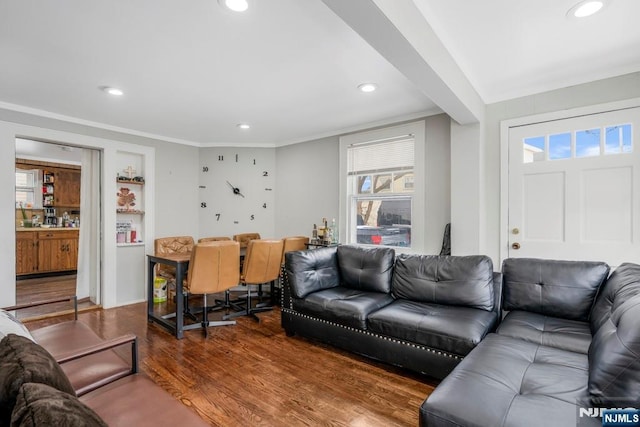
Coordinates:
<point>26,253</point>
<point>67,188</point>
<point>58,251</point>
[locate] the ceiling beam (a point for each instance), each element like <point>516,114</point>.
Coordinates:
<point>402,35</point>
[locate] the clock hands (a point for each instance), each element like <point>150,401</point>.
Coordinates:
<point>236,190</point>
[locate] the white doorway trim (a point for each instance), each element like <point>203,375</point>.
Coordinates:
<point>8,133</point>
<point>505,125</point>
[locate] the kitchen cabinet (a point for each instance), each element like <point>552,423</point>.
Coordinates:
<point>57,251</point>
<point>26,252</point>
<point>48,251</point>
<point>67,188</point>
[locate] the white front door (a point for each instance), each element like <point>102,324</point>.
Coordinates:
<point>574,188</point>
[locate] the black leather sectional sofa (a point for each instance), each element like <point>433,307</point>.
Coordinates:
<point>424,313</point>
<point>568,346</point>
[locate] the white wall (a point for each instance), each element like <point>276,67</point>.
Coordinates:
<point>598,92</point>
<point>437,181</point>
<point>307,185</point>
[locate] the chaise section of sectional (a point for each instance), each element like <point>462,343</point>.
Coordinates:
<point>549,301</point>
<point>535,370</point>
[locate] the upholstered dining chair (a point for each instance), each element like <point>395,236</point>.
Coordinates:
<point>214,267</point>
<point>261,266</point>
<point>171,245</point>
<point>213,239</point>
<point>294,243</point>
<point>245,238</point>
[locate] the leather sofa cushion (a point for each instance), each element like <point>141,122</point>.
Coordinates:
<point>349,307</point>
<point>614,358</point>
<point>564,289</point>
<point>458,280</point>
<point>366,269</point>
<point>41,405</point>
<point>572,335</point>
<point>87,372</point>
<point>23,361</point>
<point>452,329</point>
<point>510,382</point>
<point>137,401</point>
<point>311,271</point>
<point>623,284</point>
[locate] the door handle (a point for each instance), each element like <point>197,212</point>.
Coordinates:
<point>515,245</point>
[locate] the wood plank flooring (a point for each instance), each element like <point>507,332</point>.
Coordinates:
<point>252,374</point>
<point>42,288</point>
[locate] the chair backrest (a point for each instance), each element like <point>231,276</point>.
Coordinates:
<point>295,243</point>
<point>213,239</point>
<point>214,267</point>
<point>244,238</point>
<point>171,245</point>
<point>262,261</point>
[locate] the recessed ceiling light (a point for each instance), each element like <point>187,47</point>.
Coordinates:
<point>585,8</point>
<point>368,87</point>
<point>243,125</point>
<point>235,5</point>
<point>112,90</point>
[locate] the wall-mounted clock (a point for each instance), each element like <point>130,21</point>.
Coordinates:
<point>237,188</point>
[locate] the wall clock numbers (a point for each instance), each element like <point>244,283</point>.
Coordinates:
<point>253,217</point>
<point>205,169</point>
<point>220,158</point>
<point>264,205</point>
<point>265,173</point>
<point>254,161</point>
<point>217,217</point>
<point>236,158</point>
<point>203,204</point>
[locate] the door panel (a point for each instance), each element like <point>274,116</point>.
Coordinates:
<point>573,188</point>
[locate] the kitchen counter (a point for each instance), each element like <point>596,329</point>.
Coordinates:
<point>47,229</point>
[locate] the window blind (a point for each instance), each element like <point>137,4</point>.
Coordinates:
<point>382,156</point>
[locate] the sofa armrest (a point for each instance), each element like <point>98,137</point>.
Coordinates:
<point>73,298</point>
<point>104,346</point>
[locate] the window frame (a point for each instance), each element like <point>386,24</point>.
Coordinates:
<point>347,222</point>
<point>33,189</point>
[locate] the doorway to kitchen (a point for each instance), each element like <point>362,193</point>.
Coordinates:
<point>58,217</point>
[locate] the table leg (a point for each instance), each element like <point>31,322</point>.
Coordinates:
<point>179,301</point>
<point>150,268</point>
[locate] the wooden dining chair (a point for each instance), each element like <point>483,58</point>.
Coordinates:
<point>261,266</point>
<point>214,267</point>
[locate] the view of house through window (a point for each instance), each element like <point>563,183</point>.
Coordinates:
<point>380,183</point>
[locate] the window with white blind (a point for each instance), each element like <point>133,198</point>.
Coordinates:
<point>380,187</point>
<point>27,186</point>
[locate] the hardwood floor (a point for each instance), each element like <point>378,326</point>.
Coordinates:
<point>42,288</point>
<point>253,374</point>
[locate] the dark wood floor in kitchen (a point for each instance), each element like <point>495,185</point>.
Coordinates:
<point>43,288</point>
<point>252,374</point>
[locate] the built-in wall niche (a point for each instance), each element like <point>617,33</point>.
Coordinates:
<point>130,199</point>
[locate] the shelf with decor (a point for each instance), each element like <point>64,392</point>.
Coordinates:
<point>130,205</point>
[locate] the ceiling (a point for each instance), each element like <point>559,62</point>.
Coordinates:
<point>191,71</point>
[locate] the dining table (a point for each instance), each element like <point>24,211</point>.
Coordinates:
<point>173,322</point>
<point>180,261</point>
